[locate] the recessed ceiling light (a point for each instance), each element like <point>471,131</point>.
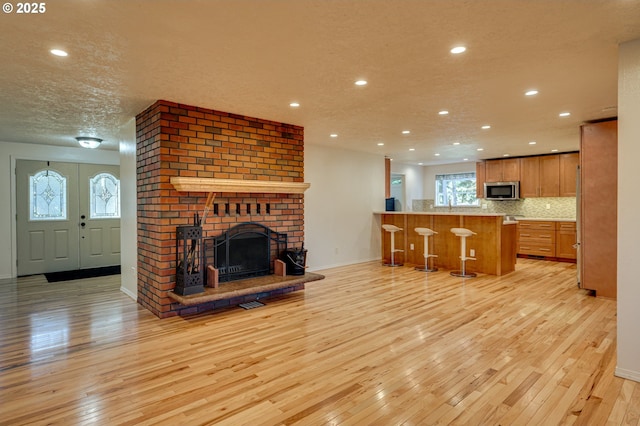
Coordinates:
<point>486,126</point>
<point>420,164</point>
<point>554,150</point>
<point>294,104</point>
<point>58,52</point>
<point>532,143</point>
<point>380,143</point>
<point>531,92</point>
<point>412,149</point>
<point>480,149</point>
<point>443,112</point>
<point>406,132</point>
<point>333,135</point>
<point>456,143</point>
<point>505,155</point>
<point>465,159</point>
<point>564,114</point>
<point>436,154</point>
<point>361,82</point>
<point>458,49</point>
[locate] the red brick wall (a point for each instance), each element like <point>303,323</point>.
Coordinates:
<point>182,140</point>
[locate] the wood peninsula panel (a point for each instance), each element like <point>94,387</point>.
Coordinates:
<point>494,243</point>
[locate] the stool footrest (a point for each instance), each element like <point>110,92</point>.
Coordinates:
<point>465,275</point>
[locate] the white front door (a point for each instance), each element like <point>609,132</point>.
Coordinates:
<point>68,216</point>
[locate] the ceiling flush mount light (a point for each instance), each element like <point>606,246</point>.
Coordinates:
<point>531,92</point>
<point>485,127</point>
<point>443,112</point>
<point>294,104</point>
<point>532,143</point>
<point>564,114</point>
<point>333,135</point>
<point>458,49</point>
<point>58,52</point>
<point>412,149</point>
<point>456,143</point>
<point>480,149</point>
<point>406,132</point>
<point>361,82</point>
<point>437,154</point>
<point>380,143</point>
<point>88,142</point>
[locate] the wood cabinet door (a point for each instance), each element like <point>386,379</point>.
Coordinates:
<point>568,172</point>
<point>480,179</point>
<point>529,177</point>
<point>565,240</point>
<point>510,169</point>
<point>493,171</point>
<point>598,207</point>
<point>550,176</point>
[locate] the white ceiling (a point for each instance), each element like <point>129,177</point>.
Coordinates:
<point>254,57</point>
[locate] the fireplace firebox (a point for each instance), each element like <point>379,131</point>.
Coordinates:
<point>245,250</point>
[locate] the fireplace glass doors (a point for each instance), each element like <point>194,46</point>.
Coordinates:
<point>246,250</point>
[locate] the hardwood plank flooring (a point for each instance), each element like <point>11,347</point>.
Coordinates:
<point>367,345</point>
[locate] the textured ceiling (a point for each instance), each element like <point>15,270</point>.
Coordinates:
<point>255,57</point>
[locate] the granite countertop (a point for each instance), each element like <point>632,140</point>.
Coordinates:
<point>445,213</point>
<point>550,219</point>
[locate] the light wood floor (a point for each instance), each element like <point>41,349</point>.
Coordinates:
<point>369,345</point>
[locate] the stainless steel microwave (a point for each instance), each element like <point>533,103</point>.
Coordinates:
<point>502,190</point>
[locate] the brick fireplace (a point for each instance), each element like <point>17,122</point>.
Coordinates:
<point>176,140</point>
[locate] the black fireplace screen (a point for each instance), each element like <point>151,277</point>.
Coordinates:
<point>246,250</point>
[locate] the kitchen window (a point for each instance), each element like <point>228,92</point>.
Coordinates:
<point>456,189</point>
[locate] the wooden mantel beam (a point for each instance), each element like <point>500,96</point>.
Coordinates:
<point>190,184</point>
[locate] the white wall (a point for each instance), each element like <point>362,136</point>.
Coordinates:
<point>9,153</point>
<point>413,182</point>
<point>430,173</point>
<point>129,218</point>
<point>628,365</point>
<point>346,188</point>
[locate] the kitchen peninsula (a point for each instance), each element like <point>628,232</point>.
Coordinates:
<point>494,245</point>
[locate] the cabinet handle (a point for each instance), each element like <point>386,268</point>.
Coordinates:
<point>525,235</point>
<point>545,249</point>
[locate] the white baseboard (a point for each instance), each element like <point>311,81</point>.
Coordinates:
<point>628,374</point>
<point>129,293</point>
<point>338,265</point>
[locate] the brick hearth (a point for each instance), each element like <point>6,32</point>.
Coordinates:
<point>181,140</point>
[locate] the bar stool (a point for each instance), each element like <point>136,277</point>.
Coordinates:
<point>426,233</point>
<point>463,233</point>
<point>392,229</point>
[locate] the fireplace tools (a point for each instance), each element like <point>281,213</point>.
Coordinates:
<point>189,259</point>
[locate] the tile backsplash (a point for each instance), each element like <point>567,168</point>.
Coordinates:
<point>544,207</point>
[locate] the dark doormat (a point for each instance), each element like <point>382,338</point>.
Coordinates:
<point>79,274</point>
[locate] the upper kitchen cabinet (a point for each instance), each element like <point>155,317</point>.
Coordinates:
<point>568,173</point>
<point>540,176</point>
<point>480,179</point>
<point>505,170</point>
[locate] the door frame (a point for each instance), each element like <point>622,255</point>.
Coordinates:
<point>80,157</point>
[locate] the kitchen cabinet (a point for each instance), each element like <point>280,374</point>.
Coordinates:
<point>537,238</point>
<point>598,207</point>
<point>568,173</point>
<point>566,240</point>
<point>504,170</point>
<point>539,176</point>
<point>480,179</point>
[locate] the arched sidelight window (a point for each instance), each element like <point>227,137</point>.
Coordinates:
<point>47,196</point>
<point>104,193</point>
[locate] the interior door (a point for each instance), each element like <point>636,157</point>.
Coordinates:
<point>99,187</point>
<point>46,221</point>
